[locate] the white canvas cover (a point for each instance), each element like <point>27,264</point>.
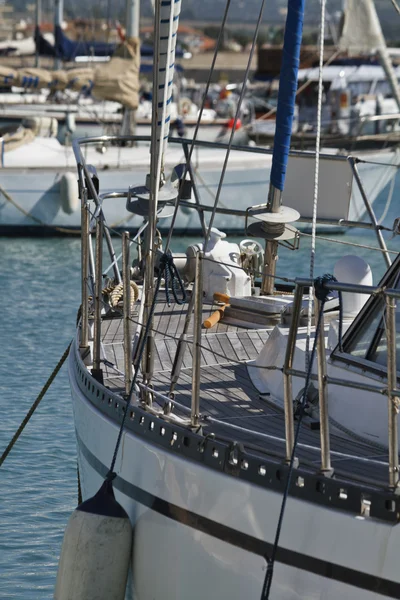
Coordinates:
<point>11,141</point>
<point>117,80</point>
<point>362,31</point>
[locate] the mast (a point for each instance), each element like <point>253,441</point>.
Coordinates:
<point>277,215</point>
<point>58,19</point>
<point>165,32</point>
<point>132,18</point>
<point>37,30</point>
<point>132,31</point>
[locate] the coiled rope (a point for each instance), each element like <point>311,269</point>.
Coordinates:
<point>34,405</point>
<point>322,294</point>
<point>117,293</point>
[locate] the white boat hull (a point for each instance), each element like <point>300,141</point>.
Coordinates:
<point>30,199</point>
<point>202,533</point>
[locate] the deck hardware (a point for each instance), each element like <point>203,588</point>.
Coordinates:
<point>91,173</point>
<point>365,509</point>
<point>167,408</point>
<point>202,443</point>
<point>234,459</point>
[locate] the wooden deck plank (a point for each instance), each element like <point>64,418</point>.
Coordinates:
<point>227,392</point>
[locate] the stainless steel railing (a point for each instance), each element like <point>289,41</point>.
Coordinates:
<point>92,272</point>
<point>393,394</point>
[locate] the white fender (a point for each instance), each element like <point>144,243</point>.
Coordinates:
<point>69,193</point>
<point>96,550</point>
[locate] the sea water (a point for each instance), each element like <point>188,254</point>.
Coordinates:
<point>40,290</point>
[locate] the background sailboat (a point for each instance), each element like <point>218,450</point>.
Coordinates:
<point>355,117</point>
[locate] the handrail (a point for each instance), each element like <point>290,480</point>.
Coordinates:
<point>383,117</point>
<point>86,184</point>
<point>186,141</point>
<point>391,390</point>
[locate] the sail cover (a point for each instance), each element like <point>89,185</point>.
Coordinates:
<point>362,33</point>
<point>68,50</point>
<point>117,80</point>
<point>361,29</point>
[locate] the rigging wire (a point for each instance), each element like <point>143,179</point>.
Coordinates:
<point>195,133</point>
<point>238,107</point>
<point>136,367</point>
<point>161,118</point>
<point>322,295</point>
<point>316,177</point>
<point>396,6</point>
<point>353,244</point>
<point>375,162</point>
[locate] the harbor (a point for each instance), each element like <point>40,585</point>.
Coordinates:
<point>40,488</point>
<point>199,367</point>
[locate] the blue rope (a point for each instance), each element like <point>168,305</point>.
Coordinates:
<point>322,294</point>
<point>166,266</point>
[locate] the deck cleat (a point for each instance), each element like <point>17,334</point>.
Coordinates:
<point>138,201</point>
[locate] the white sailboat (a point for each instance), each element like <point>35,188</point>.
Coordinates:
<point>240,478</point>
<point>362,96</point>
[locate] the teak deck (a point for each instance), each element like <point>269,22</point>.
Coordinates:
<point>228,394</point>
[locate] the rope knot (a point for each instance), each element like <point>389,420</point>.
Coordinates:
<point>166,260</point>
<point>321,292</point>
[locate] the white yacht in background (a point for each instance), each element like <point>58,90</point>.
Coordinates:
<point>361,101</point>
<point>44,197</point>
<point>39,191</point>
<point>248,466</point>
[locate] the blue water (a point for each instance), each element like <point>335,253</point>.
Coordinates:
<point>40,296</point>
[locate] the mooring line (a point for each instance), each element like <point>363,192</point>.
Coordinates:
<point>34,405</point>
